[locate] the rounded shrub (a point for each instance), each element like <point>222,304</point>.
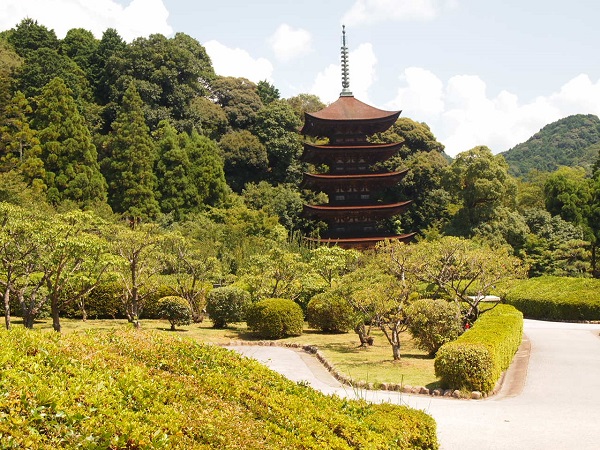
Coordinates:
<point>330,312</point>
<point>274,318</point>
<point>432,323</point>
<point>226,305</point>
<point>174,309</point>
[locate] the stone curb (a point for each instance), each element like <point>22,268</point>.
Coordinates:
<point>407,389</point>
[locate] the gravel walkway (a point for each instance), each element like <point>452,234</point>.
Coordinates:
<point>550,398</point>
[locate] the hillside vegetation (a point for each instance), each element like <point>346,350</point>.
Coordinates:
<point>572,141</point>
<point>140,390</point>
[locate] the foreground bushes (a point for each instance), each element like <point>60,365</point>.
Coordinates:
<point>275,318</point>
<point>556,298</point>
<point>478,357</point>
<point>138,390</point>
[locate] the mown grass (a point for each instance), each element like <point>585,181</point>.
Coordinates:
<point>373,364</point>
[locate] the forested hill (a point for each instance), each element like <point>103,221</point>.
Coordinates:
<point>572,141</point>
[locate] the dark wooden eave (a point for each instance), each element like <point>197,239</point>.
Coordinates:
<point>362,242</point>
<point>327,153</point>
<point>348,110</point>
<point>374,211</point>
<point>327,182</point>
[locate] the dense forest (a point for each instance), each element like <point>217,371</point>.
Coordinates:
<point>573,142</point>
<point>138,157</point>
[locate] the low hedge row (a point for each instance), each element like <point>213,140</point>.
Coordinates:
<point>124,389</point>
<point>475,361</point>
<point>556,298</point>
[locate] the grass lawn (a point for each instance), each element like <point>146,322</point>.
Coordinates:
<point>373,364</point>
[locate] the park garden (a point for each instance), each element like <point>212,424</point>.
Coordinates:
<point>149,207</point>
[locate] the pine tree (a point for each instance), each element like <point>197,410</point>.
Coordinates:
<point>129,168</point>
<point>177,192</point>
<point>17,139</point>
<point>206,169</point>
<point>69,156</point>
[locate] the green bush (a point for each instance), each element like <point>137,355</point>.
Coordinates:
<point>478,357</point>
<point>126,389</point>
<point>226,305</point>
<point>176,310</point>
<point>330,313</point>
<point>433,323</point>
<point>556,298</point>
<point>274,318</point>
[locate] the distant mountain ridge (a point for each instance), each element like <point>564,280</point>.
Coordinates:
<point>571,141</point>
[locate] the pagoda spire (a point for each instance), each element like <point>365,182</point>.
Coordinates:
<point>345,70</point>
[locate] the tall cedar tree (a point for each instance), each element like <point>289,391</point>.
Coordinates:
<point>177,190</point>
<point>206,169</point>
<point>129,169</point>
<point>70,158</point>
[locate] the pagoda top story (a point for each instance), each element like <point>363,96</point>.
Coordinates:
<point>348,110</point>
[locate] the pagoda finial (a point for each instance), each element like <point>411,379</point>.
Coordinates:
<point>345,71</point>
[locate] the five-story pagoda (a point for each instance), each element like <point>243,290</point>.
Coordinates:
<point>355,214</point>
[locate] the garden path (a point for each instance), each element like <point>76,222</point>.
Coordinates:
<point>550,398</point>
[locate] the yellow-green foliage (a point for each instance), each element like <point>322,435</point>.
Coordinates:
<point>478,357</point>
<point>143,390</point>
<point>556,298</point>
<point>275,318</point>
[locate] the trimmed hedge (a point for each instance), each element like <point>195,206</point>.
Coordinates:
<point>475,361</point>
<point>275,318</point>
<point>330,313</point>
<point>556,298</point>
<point>176,310</point>
<point>132,389</point>
<point>226,305</point>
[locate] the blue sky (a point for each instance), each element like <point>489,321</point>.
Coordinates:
<point>477,72</point>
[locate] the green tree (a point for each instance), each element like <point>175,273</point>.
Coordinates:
<point>141,260</point>
<point>70,158</point>
<point>208,117</point>
<point>206,169</point>
<point>267,92</point>
<point>18,249</point>
<point>282,200</point>
<point>29,36</point>
<point>239,99</point>
<point>176,310</point>
<point>18,141</point>
<point>481,185</point>
<point>10,62</point>
<point>415,136</point>
<point>277,128</point>
<point>226,305</point>
<point>129,169</point>
<point>245,158</point>
<point>303,103</point>
<point>567,194</point>
<point>110,47</point>
<point>73,260</point>
<point>192,258</point>
<point>80,45</point>
<point>177,192</point>
<point>460,269</point>
<point>331,263</point>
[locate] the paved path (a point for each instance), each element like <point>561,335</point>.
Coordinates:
<point>550,398</point>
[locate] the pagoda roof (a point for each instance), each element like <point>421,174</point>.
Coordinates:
<point>328,180</point>
<point>376,152</point>
<point>380,209</point>
<point>347,109</point>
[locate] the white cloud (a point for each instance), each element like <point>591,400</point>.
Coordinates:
<point>362,62</point>
<point>462,115</point>
<point>289,43</point>
<point>138,18</point>
<point>373,11</point>
<point>235,62</point>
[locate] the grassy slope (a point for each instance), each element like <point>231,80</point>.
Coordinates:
<point>127,389</point>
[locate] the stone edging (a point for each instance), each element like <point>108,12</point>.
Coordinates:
<point>407,389</point>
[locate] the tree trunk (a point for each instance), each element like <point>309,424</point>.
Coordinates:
<point>172,327</point>
<point>55,317</point>
<point>28,320</point>
<point>364,337</point>
<point>7,307</point>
